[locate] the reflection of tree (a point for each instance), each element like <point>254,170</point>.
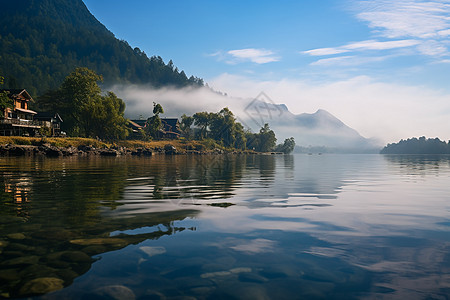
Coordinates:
<point>52,218</point>
<point>55,214</point>
<point>418,164</point>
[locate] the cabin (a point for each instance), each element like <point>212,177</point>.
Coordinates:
<point>18,120</point>
<point>170,128</point>
<point>50,120</point>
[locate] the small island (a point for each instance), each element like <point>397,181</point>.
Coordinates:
<point>420,145</point>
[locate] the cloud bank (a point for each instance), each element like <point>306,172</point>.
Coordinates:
<point>386,111</point>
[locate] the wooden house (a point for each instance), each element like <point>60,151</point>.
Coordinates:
<point>170,128</point>
<point>18,120</point>
<point>50,120</point>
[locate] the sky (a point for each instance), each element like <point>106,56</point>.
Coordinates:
<point>382,67</point>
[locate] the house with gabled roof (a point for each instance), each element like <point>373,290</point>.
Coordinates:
<point>18,120</point>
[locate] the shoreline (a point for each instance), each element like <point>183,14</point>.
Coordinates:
<point>63,147</point>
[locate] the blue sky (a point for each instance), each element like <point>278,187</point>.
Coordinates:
<point>380,66</point>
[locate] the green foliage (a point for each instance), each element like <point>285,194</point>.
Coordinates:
<point>222,127</point>
<point>157,109</point>
<point>202,120</point>
<point>264,141</point>
<point>287,147</point>
<point>45,131</point>
<point>185,125</point>
<point>84,110</point>
<point>420,145</point>
<point>154,123</point>
<point>43,41</point>
<point>5,101</point>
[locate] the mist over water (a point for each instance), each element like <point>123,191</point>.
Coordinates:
<point>318,129</point>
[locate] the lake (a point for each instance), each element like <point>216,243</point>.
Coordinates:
<point>225,227</point>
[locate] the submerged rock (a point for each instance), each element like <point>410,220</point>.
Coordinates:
<point>16,236</point>
<point>9,275</point>
<point>41,286</point>
<point>76,256</point>
<point>100,241</point>
<point>24,260</point>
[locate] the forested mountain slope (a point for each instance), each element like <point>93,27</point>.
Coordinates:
<point>42,41</point>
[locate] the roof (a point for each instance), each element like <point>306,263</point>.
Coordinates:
<point>27,111</point>
<point>170,124</point>
<point>139,122</point>
<point>17,92</point>
<point>134,124</point>
<point>43,116</point>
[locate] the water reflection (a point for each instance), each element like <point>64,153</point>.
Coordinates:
<point>419,164</point>
<point>225,227</point>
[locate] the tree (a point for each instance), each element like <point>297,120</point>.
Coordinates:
<point>287,147</point>
<point>84,110</point>
<point>202,120</point>
<point>240,139</point>
<point>5,101</point>
<point>267,139</point>
<point>223,127</point>
<point>264,141</point>
<point>186,123</point>
<point>154,122</point>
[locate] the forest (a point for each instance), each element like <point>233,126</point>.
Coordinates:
<point>420,145</point>
<point>43,41</point>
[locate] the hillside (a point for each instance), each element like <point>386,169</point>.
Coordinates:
<point>42,41</point>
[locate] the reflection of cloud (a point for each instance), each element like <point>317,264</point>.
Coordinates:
<point>152,251</point>
<point>249,246</point>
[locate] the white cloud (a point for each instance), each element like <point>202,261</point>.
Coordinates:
<point>363,45</point>
<point>325,51</point>
<point>348,60</point>
<point>258,56</point>
<point>406,18</point>
<point>417,24</point>
<point>376,45</point>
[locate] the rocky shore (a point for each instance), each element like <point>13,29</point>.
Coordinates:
<point>54,151</point>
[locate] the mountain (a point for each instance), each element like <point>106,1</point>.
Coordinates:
<point>319,131</point>
<point>42,41</point>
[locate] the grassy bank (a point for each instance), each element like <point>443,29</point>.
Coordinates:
<point>181,144</point>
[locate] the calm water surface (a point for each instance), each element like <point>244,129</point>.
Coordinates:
<point>226,227</point>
